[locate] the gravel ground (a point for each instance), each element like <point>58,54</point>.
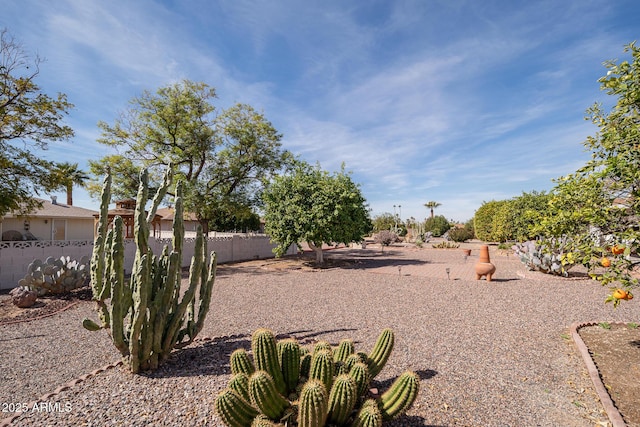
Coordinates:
<point>488,353</point>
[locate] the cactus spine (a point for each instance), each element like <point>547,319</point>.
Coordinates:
<point>322,368</point>
<point>400,396</point>
<point>233,409</point>
<point>342,399</point>
<point>158,317</point>
<point>313,405</point>
<point>381,352</point>
<point>369,415</point>
<point>240,362</point>
<point>265,356</point>
<point>265,396</point>
<point>289,354</point>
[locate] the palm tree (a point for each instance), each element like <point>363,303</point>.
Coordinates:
<point>432,206</point>
<point>68,175</point>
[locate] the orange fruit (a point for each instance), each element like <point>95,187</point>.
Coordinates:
<point>605,262</point>
<point>617,250</point>
<point>620,294</point>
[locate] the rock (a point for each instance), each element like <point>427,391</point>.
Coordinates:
<point>23,297</point>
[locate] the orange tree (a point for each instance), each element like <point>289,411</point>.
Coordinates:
<point>599,204</point>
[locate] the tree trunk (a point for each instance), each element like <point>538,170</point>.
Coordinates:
<point>318,250</point>
<point>70,195</point>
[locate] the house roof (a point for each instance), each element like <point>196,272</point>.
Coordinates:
<point>168,214</point>
<point>58,210</point>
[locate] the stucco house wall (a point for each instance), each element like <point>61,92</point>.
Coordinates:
<point>53,221</point>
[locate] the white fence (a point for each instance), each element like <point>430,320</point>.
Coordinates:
<point>15,257</point>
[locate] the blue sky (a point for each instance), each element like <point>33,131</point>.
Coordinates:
<point>454,101</point>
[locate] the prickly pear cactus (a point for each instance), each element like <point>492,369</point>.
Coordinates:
<point>545,255</point>
<point>56,275</point>
<point>148,315</point>
<point>332,390</point>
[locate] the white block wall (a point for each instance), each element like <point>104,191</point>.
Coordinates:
<point>16,256</point>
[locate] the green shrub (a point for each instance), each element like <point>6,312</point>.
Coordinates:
<point>438,225</point>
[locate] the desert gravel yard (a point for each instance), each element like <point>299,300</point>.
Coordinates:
<point>488,353</point>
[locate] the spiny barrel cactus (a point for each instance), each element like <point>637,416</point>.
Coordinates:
<point>56,275</point>
<point>148,316</point>
<point>333,388</point>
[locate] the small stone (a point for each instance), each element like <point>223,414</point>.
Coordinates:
<point>23,297</point>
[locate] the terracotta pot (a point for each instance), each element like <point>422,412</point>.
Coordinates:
<point>485,269</point>
<point>484,266</point>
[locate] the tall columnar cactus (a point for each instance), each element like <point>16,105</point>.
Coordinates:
<point>342,399</point>
<point>157,315</point>
<point>241,363</point>
<point>265,356</point>
<point>313,405</point>
<point>369,415</point>
<point>322,368</point>
<point>381,352</point>
<point>326,392</point>
<point>265,396</point>
<point>400,396</point>
<point>289,357</point>
<point>234,410</point>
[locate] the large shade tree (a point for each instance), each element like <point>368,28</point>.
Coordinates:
<point>222,156</point>
<point>29,121</point>
<point>313,206</point>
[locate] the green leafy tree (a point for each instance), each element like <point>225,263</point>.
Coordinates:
<point>29,120</point>
<point>437,225</point>
<point>483,220</point>
<point>68,174</point>
<point>605,193</point>
<point>431,206</point>
<point>310,205</point>
<point>222,157</point>
<point>517,218</point>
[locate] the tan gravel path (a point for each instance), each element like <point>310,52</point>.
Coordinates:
<point>489,353</point>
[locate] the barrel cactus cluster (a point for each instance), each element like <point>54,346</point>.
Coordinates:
<point>56,275</point>
<point>551,256</point>
<point>148,316</point>
<point>286,384</point>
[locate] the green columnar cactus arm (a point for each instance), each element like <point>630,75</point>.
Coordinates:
<point>322,368</point>
<point>265,356</point>
<point>369,415</point>
<point>322,345</point>
<point>344,350</point>
<point>240,384</point>
<point>342,399</point>
<point>314,406</point>
<point>360,373</point>
<point>305,363</point>
<point>381,352</point>
<point>400,396</point>
<point>174,333</point>
<point>265,396</point>
<point>119,305</point>
<point>162,191</point>
<point>263,421</point>
<point>289,356</point>
<point>234,410</point>
<point>241,363</point>
<point>97,258</point>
